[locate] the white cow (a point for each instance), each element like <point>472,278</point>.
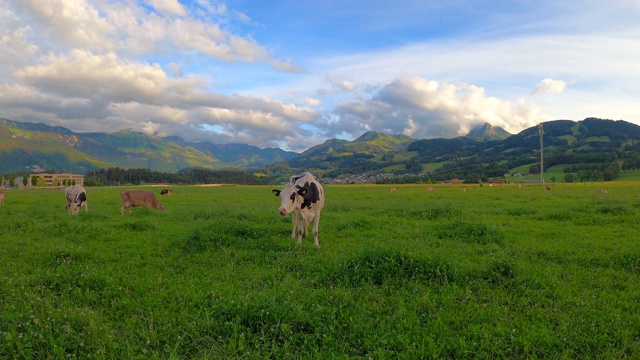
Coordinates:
<point>303,197</point>
<point>76,198</point>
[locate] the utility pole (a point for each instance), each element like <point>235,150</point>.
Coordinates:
<point>541,152</point>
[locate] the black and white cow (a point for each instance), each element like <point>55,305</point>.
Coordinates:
<point>303,197</point>
<point>76,198</point>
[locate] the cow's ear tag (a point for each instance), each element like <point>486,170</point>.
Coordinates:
<point>276,192</point>
<point>302,192</point>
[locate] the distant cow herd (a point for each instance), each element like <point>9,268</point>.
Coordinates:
<point>302,197</point>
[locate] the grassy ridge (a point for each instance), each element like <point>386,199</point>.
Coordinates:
<point>491,273</point>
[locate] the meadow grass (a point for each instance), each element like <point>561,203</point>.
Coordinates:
<point>500,272</point>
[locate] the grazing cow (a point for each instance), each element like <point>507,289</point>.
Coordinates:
<point>464,189</point>
<point>394,190</point>
<point>303,197</point>
<point>1,196</point>
<point>165,192</point>
<point>133,198</point>
<point>431,190</point>
<point>76,198</point>
<point>600,191</point>
<point>548,188</point>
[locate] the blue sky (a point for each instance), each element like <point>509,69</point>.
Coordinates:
<point>293,74</point>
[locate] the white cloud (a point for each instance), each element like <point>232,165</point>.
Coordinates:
<point>87,75</point>
<point>411,128</point>
<point>75,22</point>
<point>339,83</point>
<point>150,128</point>
<point>428,109</point>
<point>550,86</point>
<point>311,101</point>
<point>168,7</point>
<point>127,27</point>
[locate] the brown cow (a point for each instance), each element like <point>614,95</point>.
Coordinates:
<point>431,189</point>
<point>600,191</point>
<point>1,196</point>
<point>394,190</point>
<point>548,188</point>
<point>165,192</point>
<point>133,198</point>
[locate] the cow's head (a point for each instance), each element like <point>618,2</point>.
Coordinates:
<point>76,202</point>
<point>291,198</point>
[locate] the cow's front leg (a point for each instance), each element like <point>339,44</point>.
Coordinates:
<point>303,225</point>
<point>294,219</point>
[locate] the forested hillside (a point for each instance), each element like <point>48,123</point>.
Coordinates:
<point>589,150</point>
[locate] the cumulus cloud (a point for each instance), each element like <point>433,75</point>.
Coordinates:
<point>150,128</point>
<point>84,74</point>
<point>426,109</point>
<point>549,86</point>
<point>168,7</point>
<point>84,86</point>
<point>128,27</point>
<point>74,22</point>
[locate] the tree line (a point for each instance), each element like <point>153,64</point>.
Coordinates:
<point>119,176</point>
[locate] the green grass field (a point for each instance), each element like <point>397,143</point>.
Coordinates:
<point>500,272</point>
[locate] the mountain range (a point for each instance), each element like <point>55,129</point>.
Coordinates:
<point>484,151</point>
<point>32,147</point>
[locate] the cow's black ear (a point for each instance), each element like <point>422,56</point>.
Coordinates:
<point>276,192</point>
<point>302,192</point>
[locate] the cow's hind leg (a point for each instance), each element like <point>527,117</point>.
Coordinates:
<point>316,221</point>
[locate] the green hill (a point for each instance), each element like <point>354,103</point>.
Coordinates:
<point>591,149</point>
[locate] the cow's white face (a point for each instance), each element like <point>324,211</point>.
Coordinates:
<point>75,208</point>
<point>290,199</point>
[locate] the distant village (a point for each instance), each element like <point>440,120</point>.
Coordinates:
<point>389,178</point>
